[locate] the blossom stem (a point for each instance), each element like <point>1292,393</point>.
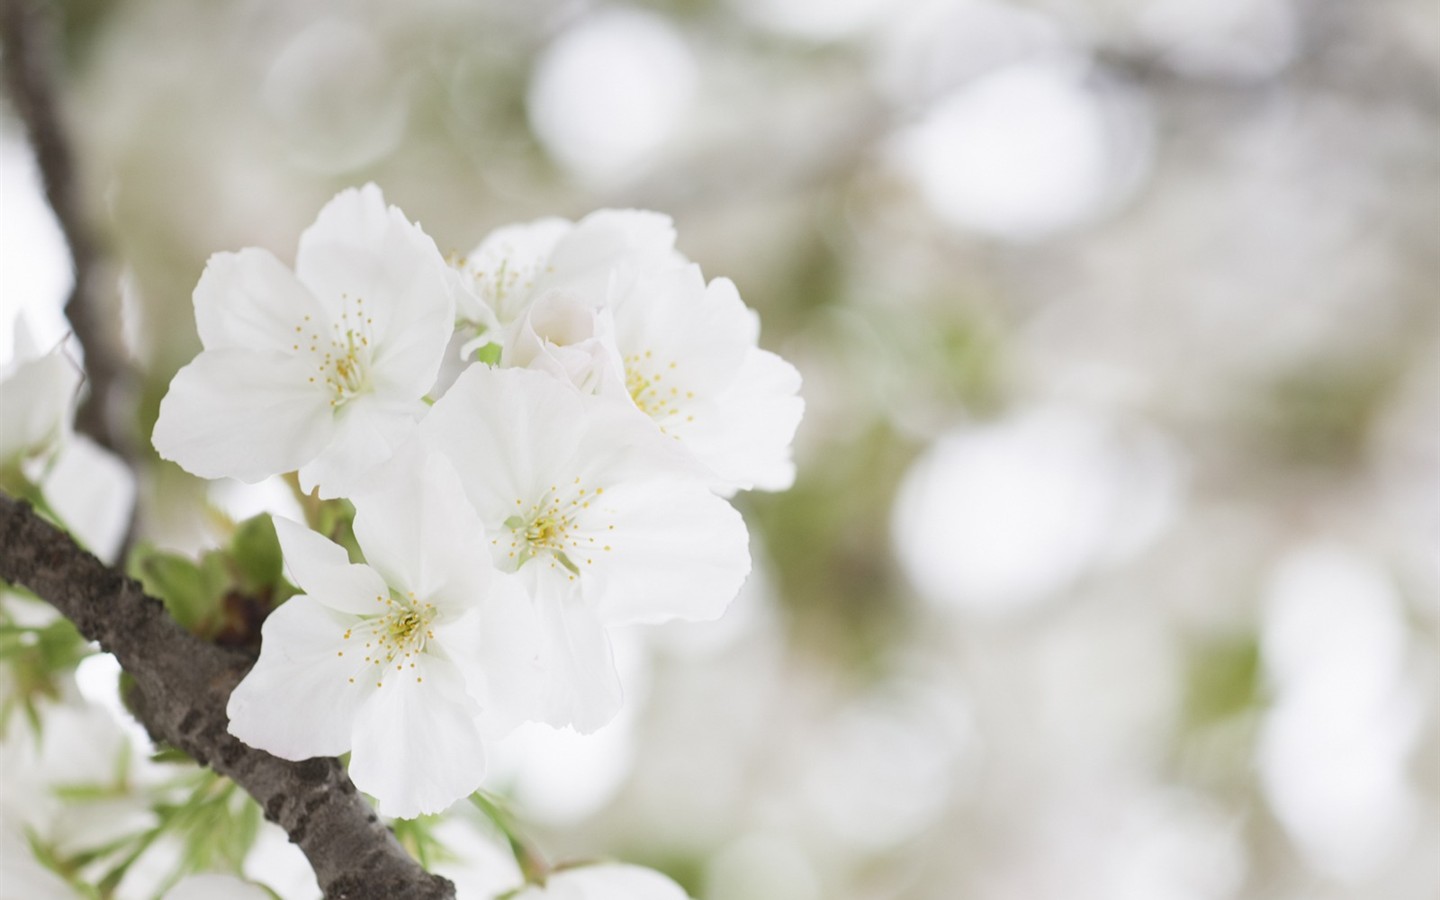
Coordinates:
<point>532,864</point>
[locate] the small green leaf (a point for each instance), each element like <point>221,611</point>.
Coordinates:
<point>256,552</point>
<point>418,839</point>
<point>1223,680</point>
<point>179,583</point>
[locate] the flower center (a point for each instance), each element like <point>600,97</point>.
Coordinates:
<point>547,532</point>
<point>393,638</point>
<point>504,287</point>
<point>645,379</point>
<point>403,627</point>
<point>550,529</point>
<point>342,363</point>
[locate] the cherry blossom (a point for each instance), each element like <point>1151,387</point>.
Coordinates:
<point>322,369</point>
<point>37,392</point>
<point>596,514</point>
<point>391,660</point>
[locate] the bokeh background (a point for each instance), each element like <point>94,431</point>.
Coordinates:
<point>1112,567</point>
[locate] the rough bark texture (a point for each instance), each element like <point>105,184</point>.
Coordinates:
<point>184,684</point>
<point>27,31</point>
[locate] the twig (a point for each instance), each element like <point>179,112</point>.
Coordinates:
<point>184,684</point>
<point>28,41</point>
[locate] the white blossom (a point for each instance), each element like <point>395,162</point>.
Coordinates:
<point>604,882</point>
<point>92,492</point>
<point>87,488</point>
<point>216,887</point>
<point>322,369</point>
<point>588,259</point>
<point>390,660</point>
<point>570,339</point>
<point>600,518</point>
<point>74,745</point>
<point>21,874</point>
<point>692,363</point>
<point>37,393</point>
<point>609,305</point>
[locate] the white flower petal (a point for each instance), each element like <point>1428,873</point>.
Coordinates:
<point>366,433</point>
<point>38,398</point>
<point>570,340</point>
<point>216,887</point>
<point>242,415</point>
<point>605,882</point>
<point>499,647</point>
<point>676,551</point>
<point>693,366</point>
<point>322,569</point>
<point>251,301</point>
<point>93,494</point>
<point>501,273</point>
<point>497,428</point>
<point>672,318</point>
<point>607,250</point>
<point>746,440</point>
<point>365,260</point>
<point>417,747</point>
<point>298,701</point>
<point>418,530</point>
<point>513,433</point>
<point>580,687</point>
<point>536,652</point>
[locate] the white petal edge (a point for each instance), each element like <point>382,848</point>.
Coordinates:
<point>236,414</point>
<point>417,528</point>
<point>367,431</point>
<point>93,493</point>
<point>417,746</point>
<point>322,569</point>
<point>249,300</point>
<point>580,687</point>
<point>38,399</point>
<point>298,702</point>
<point>677,552</point>
<point>606,882</point>
<point>748,441</point>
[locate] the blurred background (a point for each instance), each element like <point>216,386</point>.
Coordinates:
<point>1112,567</point>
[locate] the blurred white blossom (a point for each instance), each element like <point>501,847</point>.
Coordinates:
<point>604,882</point>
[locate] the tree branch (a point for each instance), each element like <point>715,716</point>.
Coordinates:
<point>27,38</point>
<point>184,685</point>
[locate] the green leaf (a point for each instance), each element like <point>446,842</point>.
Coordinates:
<point>38,661</point>
<point>184,587</point>
<point>418,838</point>
<point>256,552</point>
<point>1223,680</point>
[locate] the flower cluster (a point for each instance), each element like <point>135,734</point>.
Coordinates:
<point>572,473</point>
